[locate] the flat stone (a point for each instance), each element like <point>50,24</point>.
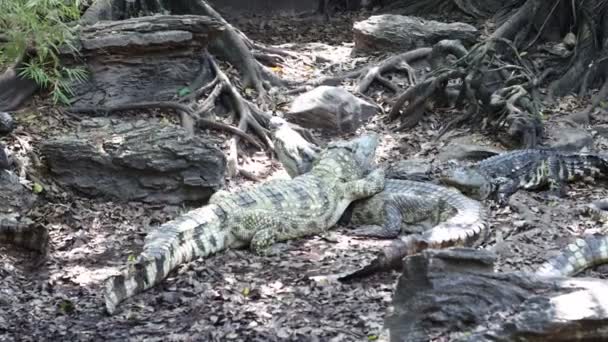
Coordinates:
<point>331,109</point>
<point>137,161</point>
<point>390,32</point>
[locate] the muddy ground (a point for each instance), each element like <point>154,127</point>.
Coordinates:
<point>236,296</point>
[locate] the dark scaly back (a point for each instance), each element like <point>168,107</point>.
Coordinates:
<point>512,162</point>
<point>581,165</point>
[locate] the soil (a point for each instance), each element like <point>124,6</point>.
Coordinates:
<point>235,295</point>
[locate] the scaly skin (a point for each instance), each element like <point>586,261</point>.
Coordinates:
<point>24,234</point>
<point>583,253</point>
<point>403,203</point>
<point>501,176</point>
<point>292,150</point>
<point>257,217</point>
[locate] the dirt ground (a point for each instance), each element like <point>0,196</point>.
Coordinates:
<point>235,295</point>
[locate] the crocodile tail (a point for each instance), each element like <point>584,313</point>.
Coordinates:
<point>25,234</point>
<point>195,234</point>
<point>576,257</point>
<point>586,165</point>
<point>466,227</point>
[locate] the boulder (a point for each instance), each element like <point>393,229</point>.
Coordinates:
<point>7,124</point>
<point>472,147</point>
<point>136,161</point>
<point>331,109</point>
<point>390,32</point>
<point>141,59</point>
<point>15,199</point>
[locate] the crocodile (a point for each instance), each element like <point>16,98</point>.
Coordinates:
<point>294,152</point>
<point>401,204</point>
<point>275,211</point>
<point>579,255</point>
<point>501,176</point>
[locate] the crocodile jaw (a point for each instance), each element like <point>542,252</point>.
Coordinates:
<point>469,181</point>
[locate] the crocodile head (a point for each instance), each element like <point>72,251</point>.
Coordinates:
<point>469,181</point>
<point>348,159</point>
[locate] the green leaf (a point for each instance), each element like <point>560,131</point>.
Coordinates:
<point>37,188</point>
<point>184,91</point>
<point>66,307</point>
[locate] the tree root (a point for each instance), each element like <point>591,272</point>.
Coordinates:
<point>235,47</point>
<point>373,72</point>
<point>418,96</point>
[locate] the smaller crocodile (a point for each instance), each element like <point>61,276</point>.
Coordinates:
<point>583,253</point>
<point>403,203</point>
<point>23,233</point>
<point>501,176</point>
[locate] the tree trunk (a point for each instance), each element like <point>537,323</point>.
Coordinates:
<point>454,295</point>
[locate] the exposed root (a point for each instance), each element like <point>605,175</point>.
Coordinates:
<point>418,96</point>
<point>370,73</point>
<point>236,48</point>
<point>583,117</point>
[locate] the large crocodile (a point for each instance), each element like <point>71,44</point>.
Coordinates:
<point>501,176</point>
<point>257,217</point>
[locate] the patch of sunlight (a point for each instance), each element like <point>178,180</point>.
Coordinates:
<point>387,144</point>
<point>84,276</point>
<point>590,302</point>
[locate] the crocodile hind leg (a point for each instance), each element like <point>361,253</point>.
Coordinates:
<point>262,231</point>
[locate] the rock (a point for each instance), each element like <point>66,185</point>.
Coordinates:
<point>332,109</point>
<point>571,139</point>
<point>390,32</point>
<point>4,161</point>
<point>152,56</point>
<point>15,199</point>
<point>136,161</point>
<point>467,148</point>
<point>410,169</point>
<point>7,123</point>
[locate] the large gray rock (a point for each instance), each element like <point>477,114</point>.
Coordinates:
<point>142,161</point>
<point>15,199</point>
<point>472,147</point>
<point>570,138</point>
<point>332,109</point>
<point>140,59</point>
<point>390,32</point>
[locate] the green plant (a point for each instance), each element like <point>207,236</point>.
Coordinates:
<point>33,32</point>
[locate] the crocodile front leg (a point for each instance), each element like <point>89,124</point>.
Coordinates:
<point>363,188</point>
<point>505,191</point>
<point>555,178</point>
